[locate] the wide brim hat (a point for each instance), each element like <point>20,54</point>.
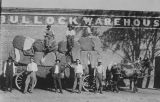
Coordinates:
<point>10,58</point>
<point>70,25</point>
<point>58,60</point>
<point>100,60</point>
<point>48,26</point>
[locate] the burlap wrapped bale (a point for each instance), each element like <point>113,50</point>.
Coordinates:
<point>29,52</point>
<point>37,57</point>
<point>62,47</point>
<point>89,57</point>
<point>61,57</point>
<point>84,60</point>
<point>94,57</point>
<point>28,43</point>
<point>49,59</point>
<point>17,55</point>
<point>76,51</point>
<point>24,59</point>
<point>58,55</point>
<point>97,43</point>
<point>12,53</point>
<point>86,44</point>
<point>53,47</point>
<point>18,42</point>
<point>38,45</point>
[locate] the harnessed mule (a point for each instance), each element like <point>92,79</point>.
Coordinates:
<point>131,71</point>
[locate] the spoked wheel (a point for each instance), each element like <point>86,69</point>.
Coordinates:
<point>89,83</point>
<point>20,80</point>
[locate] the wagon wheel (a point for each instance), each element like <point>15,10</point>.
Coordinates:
<point>20,80</point>
<point>88,85</point>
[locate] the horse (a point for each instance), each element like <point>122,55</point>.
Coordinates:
<point>132,71</point>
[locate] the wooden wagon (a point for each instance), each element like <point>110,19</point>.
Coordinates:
<point>87,57</point>
<point>45,79</point>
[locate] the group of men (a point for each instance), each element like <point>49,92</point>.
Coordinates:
<point>56,70</point>
<point>70,35</point>
<point>32,68</point>
<point>9,71</point>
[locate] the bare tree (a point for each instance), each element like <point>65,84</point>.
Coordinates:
<point>133,42</point>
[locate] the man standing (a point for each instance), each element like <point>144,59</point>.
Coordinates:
<point>78,76</point>
<point>8,72</point>
<point>49,37</point>
<point>89,31</point>
<point>98,73</point>
<point>56,74</point>
<point>70,33</point>
<point>31,76</point>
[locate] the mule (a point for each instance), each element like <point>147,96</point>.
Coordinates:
<point>132,71</point>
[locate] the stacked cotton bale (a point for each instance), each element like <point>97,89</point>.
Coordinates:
<point>18,42</point>
<point>53,47</point>
<point>49,59</point>
<point>62,47</point>
<point>89,58</point>
<point>86,44</point>
<point>38,45</point>
<point>84,60</point>
<point>37,57</point>
<point>95,57</point>
<point>97,44</point>
<point>21,58</point>
<point>76,51</point>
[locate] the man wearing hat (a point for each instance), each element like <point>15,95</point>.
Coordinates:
<point>78,69</point>
<point>89,30</point>
<point>8,72</point>
<point>98,73</point>
<point>49,37</point>
<point>70,33</point>
<point>31,76</point>
<point>56,74</point>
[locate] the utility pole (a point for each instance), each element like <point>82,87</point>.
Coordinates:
<point>1,39</point>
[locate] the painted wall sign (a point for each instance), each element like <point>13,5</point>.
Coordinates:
<point>82,20</point>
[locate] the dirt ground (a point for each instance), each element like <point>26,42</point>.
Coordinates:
<point>39,95</point>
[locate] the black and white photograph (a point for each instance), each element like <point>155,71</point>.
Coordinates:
<point>79,51</point>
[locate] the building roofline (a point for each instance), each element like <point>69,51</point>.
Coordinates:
<point>81,11</point>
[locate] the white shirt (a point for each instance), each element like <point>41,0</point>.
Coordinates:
<point>56,69</point>
<point>79,68</point>
<point>89,30</point>
<point>99,69</point>
<point>72,32</point>
<point>32,67</point>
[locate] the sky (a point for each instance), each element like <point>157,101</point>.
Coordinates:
<point>136,5</point>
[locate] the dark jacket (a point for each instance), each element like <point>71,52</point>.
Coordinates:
<point>53,69</point>
<point>9,68</point>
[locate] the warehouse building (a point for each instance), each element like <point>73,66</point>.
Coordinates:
<point>31,22</point>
